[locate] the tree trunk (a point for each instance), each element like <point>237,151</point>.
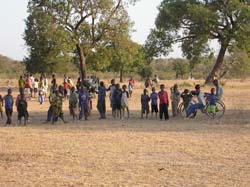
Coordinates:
<point>121,75</point>
<point>83,67</point>
<point>217,66</point>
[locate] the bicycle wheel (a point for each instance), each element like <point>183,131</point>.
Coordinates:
<point>219,110</point>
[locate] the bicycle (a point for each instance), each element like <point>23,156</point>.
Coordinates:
<point>220,109</point>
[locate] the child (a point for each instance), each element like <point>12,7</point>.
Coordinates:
<point>145,103</point>
<point>154,102</point>
<point>201,101</point>
<point>9,102</point>
<point>1,106</point>
<point>22,109</point>
<point>83,103</point>
<point>101,103</point>
<point>163,97</point>
<point>131,84</point>
<point>73,101</point>
<point>41,91</point>
<point>117,101</point>
<point>124,101</point>
<point>186,98</point>
<point>36,83</point>
<point>175,97</point>
<point>212,99</point>
<point>57,107</point>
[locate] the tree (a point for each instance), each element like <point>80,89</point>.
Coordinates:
<point>194,23</point>
<point>181,68</point>
<point>48,44</point>
<point>89,22</point>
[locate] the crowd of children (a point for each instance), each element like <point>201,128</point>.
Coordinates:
<point>80,104</point>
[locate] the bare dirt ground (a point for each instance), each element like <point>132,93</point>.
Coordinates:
<point>180,152</point>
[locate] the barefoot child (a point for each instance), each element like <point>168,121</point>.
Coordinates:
<point>154,102</point>
<point>83,103</point>
<point>145,103</point>
<point>9,102</point>
<point>212,99</point>
<point>22,109</point>
<point>124,101</point>
<point>163,97</point>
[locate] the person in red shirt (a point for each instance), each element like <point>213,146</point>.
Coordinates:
<point>163,97</point>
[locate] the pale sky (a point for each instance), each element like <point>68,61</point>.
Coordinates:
<point>13,13</point>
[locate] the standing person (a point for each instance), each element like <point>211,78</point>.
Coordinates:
<point>36,85</point>
<point>22,109</point>
<point>57,102</point>
<point>50,110</point>
<point>147,82</point>
<point>186,98</point>
<point>41,91</point>
<point>101,105</point>
<point>28,86</point>
<point>32,79</point>
<point>163,97</point>
<point>83,102</point>
<point>175,99</point>
<point>73,101</point>
<point>21,83</point>
<point>111,90</point>
<point>145,103</point>
<point>78,84</point>
<point>66,87</point>
<point>53,82</point>
<point>117,94</point>
<point>9,102</point>
<point>131,84</point>
<point>212,99</point>
<point>154,102</point>
<point>124,101</point>
<point>1,106</point>
<point>201,101</point>
<point>46,85</point>
<point>219,90</point>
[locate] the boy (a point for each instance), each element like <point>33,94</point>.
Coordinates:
<point>111,88</point>
<point>186,98</point>
<point>163,97</point>
<point>117,101</point>
<point>131,84</point>
<point>83,103</point>
<point>212,99</point>
<point>9,102</point>
<point>154,102</point>
<point>124,101</point>
<point>22,109</point>
<point>201,101</point>
<point>101,103</point>
<point>145,103</point>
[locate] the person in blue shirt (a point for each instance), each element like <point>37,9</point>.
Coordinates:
<point>101,103</point>
<point>201,101</point>
<point>212,99</point>
<point>9,102</point>
<point>83,103</point>
<point>154,102</point>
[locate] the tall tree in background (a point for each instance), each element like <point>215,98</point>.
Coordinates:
<point>88,22</point>
<point>48,44</point>
<point>194,23</point>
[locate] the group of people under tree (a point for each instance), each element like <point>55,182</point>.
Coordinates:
<point>80,104</point>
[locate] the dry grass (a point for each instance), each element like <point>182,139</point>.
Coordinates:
<point>197,152</point>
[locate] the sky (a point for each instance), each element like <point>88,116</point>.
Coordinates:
<point>14,12</point>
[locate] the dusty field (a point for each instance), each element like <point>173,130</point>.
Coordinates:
<point>180,152</point>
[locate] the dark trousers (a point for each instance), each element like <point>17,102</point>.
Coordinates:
<point>164,110</point>
<point>101,106</point>
<point>50,114</point>
<point>8,114</point>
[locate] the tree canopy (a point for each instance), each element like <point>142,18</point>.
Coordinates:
<point>89,23</point>
<point>194,23</point>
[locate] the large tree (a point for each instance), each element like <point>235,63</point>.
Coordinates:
<point>89,22</point>
<point>48,44</point>
<point>195,23</point>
